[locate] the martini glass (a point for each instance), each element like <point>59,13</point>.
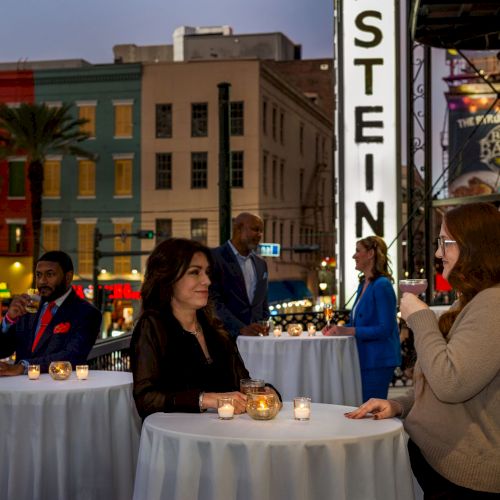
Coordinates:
<point>415,286</point>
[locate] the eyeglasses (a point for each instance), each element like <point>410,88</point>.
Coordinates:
<point>442,243</point>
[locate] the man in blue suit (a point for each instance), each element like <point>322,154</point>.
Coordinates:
<point>240,279</point>
<point>64,328</point>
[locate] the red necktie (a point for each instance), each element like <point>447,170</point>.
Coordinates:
<point>46,317</point>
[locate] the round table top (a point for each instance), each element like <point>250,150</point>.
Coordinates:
<point>327,423</point>
<point>97,379</point>
<point>285,337</point>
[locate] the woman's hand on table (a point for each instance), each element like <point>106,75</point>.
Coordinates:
<point>239,400</point>
<point>338,330</point>
<point>378,408</point>
<point>410,304</point>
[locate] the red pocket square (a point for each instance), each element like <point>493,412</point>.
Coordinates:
<point>62,328</point>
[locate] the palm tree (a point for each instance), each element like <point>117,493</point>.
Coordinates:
<point>35,130</point>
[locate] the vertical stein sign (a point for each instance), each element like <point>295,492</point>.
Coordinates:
<point>368,158</point>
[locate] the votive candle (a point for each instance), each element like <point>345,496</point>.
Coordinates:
<point>33,372</point>
<point>82,372</point>
<point>225,408</point>
<point>302,408</point>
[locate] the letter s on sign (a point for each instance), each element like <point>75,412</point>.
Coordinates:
<point>377,34</point>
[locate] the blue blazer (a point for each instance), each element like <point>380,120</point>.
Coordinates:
<point>76,324</point>
<point>229,294</point>
<point>377,332</point>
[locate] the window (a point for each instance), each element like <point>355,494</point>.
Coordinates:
<point>163,121</point>
<point>237,118</point>
<point>52,178</point>
<point>85,247</point>
<point>123,177</point>
<point>282,179</point>
<point>264,117</point>
<point>17,237</point>
<point>273,123</point>
<point>163,229</point>
<point>87,112</point>
<point>123,119</point>
<point>163,171</point>
<point>274,231</point>
<point>86,178</point>
<point>16,179</point>
<point>301,185</point>
<point>199,170</point>
<point>199,120</point>
<point>282,234</point>
<point>282,127</point>
<point>264,174</point>
<point>301,139</point>
<point>273,179</point>
<point>199,230</point>
<point>51,236</point>
<point>122,264</point>
<point>237,169</point>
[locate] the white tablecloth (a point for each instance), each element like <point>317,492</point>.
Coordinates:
<point>326,369</point>
<point>199,457</point>
<point>68,440</point>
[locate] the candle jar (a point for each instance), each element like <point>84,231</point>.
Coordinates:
<point>302,408</point>
<point>60,370</point>
<point>311,329</point>
<point>225,408</point>
<point>294,329</point>
<point>252,385</point>
<point>262,406</point>
<point>33,372</point>
<point>277,330</point>
<point>82,372</point>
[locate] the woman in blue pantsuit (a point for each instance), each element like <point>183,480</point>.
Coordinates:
<point>373,319</point>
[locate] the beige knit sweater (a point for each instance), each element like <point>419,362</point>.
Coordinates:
<point>453,412</point>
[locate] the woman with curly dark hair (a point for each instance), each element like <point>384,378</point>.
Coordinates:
<point>182,359</point>
<point>373,318</point>
<point>453,413</point>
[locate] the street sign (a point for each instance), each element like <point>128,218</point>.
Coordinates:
<point>269,249</point>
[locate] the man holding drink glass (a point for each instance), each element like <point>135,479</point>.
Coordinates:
<point>63,328</point>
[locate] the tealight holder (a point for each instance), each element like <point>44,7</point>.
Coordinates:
<point>262,406</point>
<point>60,370</point>
<point>302,408</point>
<point>311,329</point>
<point>277,330</point>
<point>33,372</point>
<point>294,329</point>
<point>82,372</point>
<point>225,408</point>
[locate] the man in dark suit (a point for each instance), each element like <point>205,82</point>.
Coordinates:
<point>239,279</point>
<point>64,328</point>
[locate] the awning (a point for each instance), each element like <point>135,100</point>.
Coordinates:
<point>287,290</point>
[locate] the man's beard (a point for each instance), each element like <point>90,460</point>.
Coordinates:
<point>59,291</point>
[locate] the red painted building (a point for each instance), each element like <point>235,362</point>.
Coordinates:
<point>16,241</point>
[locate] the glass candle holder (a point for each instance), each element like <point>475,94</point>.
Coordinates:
<point>225,408</point>
<point>302,408</point>
<point>252,385</point>
<point>294,329</point>
<point>60,370</point>
<point>82,372</point>
<point>277,330</point>
<point>311,329</point>
<point>262,406</point>
<point>33,372</point>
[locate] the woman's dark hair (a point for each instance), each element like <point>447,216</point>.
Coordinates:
<point>168,262</point>
<point>381,260</point>
<point>476,229</point>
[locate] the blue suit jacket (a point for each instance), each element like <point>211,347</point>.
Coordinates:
<point>229,294</point>
<point>377,332</point>
<point>82,321</point>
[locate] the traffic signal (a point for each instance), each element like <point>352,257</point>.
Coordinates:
<point>144,234</point>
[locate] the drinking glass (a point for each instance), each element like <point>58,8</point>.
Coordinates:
<point>415,286</point>
<point>33,301</point>
<point>252,386</point>
<point>328,312</point>
<point>265,325</point>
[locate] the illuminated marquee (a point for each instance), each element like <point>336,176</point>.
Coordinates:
<point>367,125</point>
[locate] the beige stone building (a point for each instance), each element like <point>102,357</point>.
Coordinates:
<point>281,144</point>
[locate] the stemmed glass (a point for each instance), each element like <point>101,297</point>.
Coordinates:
<point>415,286</point>
<point>328,312</point>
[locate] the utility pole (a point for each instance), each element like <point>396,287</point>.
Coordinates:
<point>224,163</point>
